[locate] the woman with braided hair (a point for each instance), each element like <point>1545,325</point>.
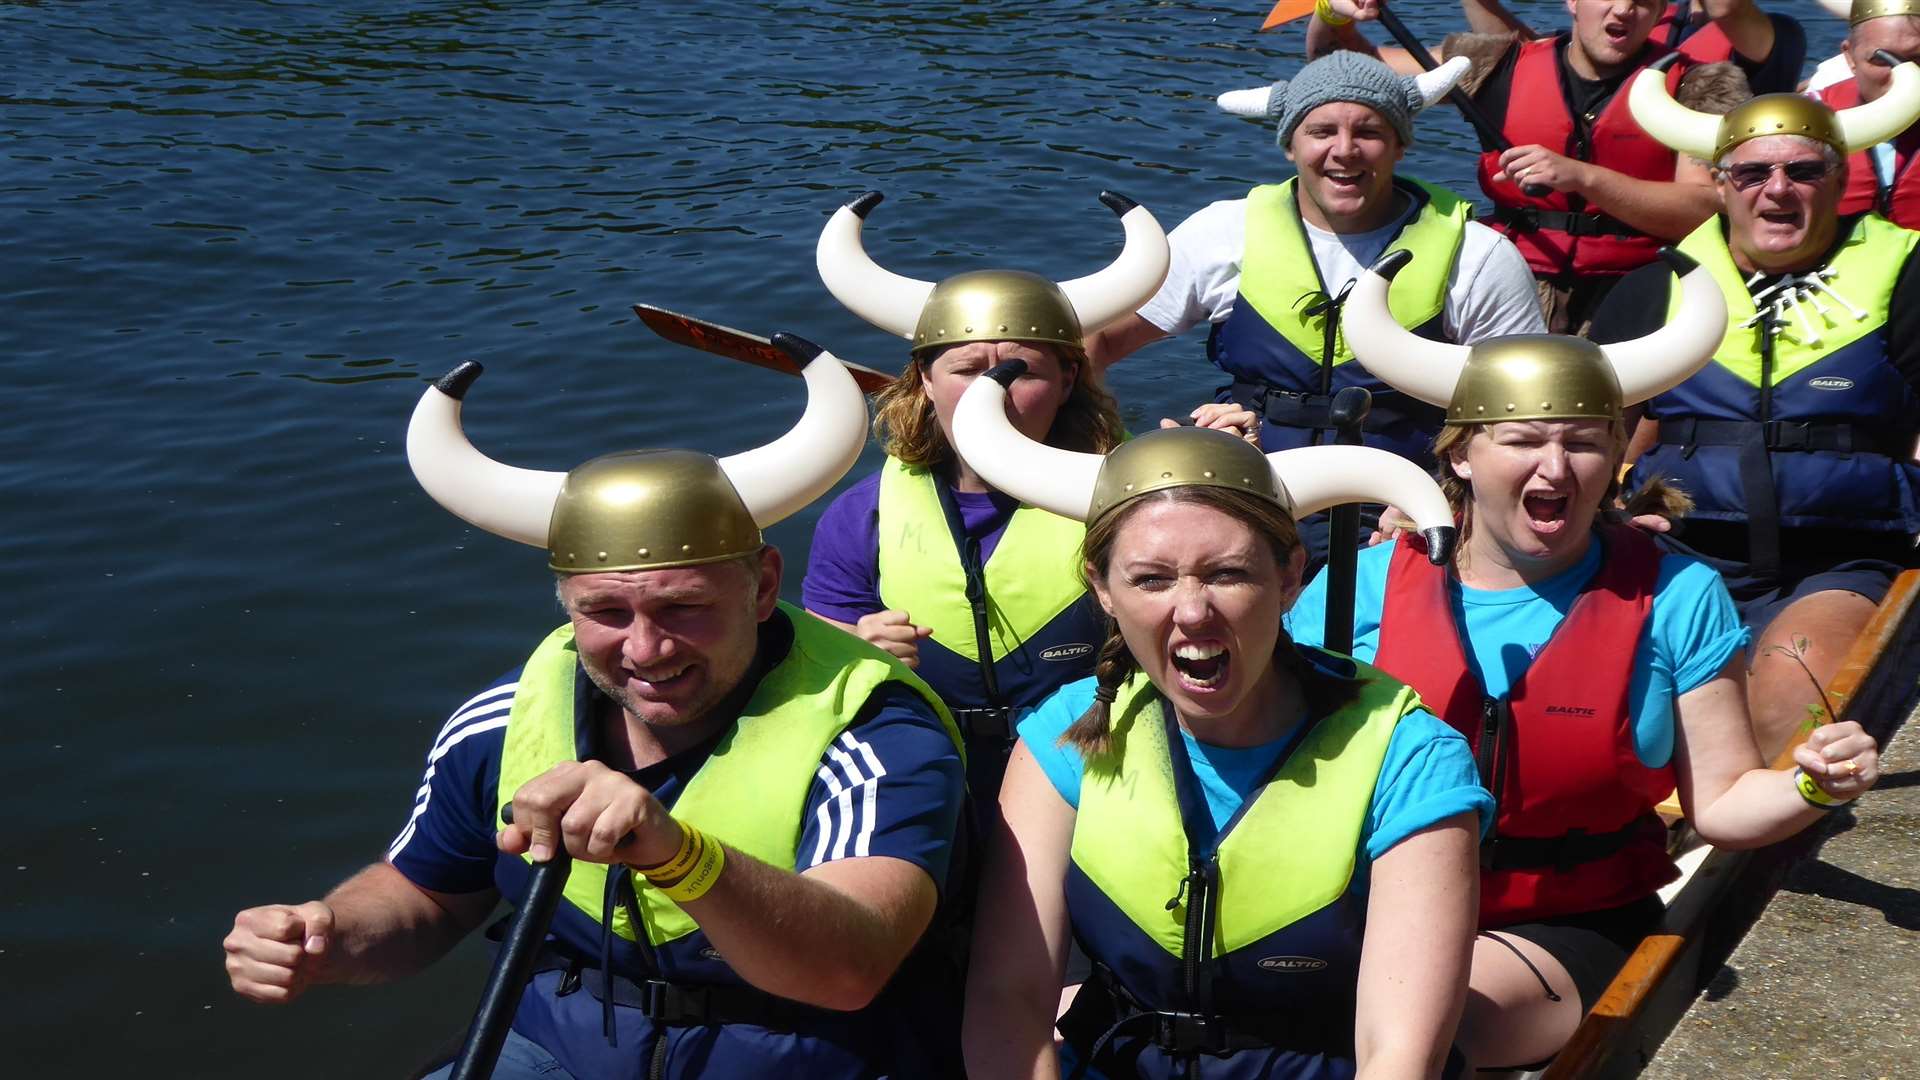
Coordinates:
<point>1268,852</point>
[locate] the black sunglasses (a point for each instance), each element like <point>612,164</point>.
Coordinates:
<point>1751,174</point>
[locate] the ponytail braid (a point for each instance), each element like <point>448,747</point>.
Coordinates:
<point>1093,733</point>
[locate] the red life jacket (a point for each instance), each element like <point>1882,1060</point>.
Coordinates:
<point>1707,45</point>
<point>1900,203</point>
<point>1574,829</point>
<point>1562,238</point>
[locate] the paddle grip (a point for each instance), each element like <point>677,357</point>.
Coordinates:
<point>519,950</point>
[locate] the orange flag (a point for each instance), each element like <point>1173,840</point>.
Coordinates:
<point>1286,11</point>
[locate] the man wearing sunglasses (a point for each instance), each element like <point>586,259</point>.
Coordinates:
<point>1797,443</point>
<point>1582,192</point>
<point>1880,177</point>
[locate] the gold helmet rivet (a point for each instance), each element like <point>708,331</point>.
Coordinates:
<point>1129,487</point>
<point>1546,405</point>
<point>1166,475</point>
<point>643,553</point>
<point>1033,329</point>
<point>685,548</point>
<point>603,556</point>
<point>1208,474</point>
<point>1003,328</point>
<point>1510,406</point>
<point>1479,408</point>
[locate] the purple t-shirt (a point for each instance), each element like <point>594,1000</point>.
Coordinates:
<point>843,569</point>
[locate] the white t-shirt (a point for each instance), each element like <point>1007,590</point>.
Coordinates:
<point>1490,293</point>
<point>1834,69</point>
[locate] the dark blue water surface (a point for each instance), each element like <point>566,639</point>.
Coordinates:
<point>240,236</point>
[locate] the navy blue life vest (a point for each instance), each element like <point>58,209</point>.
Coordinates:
<point>1274,342</point>
<point>1809,425</point>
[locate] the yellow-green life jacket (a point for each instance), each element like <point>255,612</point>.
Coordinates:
<point>751,792</point>
<point>1040,635</point>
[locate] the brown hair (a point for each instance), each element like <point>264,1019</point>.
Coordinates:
<point>1657,496</point>
<point>1092,733</point>
<point>906,427</point>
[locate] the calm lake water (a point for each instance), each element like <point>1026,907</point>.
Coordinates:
<point>242,235</point>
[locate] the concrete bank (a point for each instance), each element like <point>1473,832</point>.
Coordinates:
<point>1827,983</point>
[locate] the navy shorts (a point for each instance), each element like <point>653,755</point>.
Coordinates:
<point>1811,561</point>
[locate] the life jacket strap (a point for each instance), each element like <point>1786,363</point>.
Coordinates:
<point>985,724</point>
<point>1573,223</point>
<point>1104,1010</point>
<point>1314,412</point>
<point>1564,852</point>
<point>1787,436</point>
<point>672,1004</point>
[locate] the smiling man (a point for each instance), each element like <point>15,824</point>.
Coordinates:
<point>1269,272</point>
<point>1797,442</point>
<point>761,809</point>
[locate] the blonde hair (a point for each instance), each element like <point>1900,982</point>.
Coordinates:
<point>1657,496</point>
<point>1092,733</point>
<point>906,427</point>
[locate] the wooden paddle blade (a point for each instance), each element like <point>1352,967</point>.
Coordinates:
<point>739,345</point>
<point>1286,11</point>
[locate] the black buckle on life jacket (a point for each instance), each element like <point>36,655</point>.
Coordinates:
<point>985,723</point>
<point>1185,1033</point>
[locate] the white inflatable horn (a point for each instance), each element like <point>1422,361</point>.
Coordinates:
<point>893,302</point>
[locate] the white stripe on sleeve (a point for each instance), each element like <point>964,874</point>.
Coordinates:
<point>486,712</point>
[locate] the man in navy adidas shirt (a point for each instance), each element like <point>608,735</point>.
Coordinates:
<point>761,807</point>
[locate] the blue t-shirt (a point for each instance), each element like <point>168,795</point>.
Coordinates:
<point>1691,632</point>
<point>1428,774</point>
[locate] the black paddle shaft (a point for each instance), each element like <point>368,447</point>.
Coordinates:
<point>1348,411</point>
<point>1457,97</point>
<point>511,969</point>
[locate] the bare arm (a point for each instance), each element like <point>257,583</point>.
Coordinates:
<point>374,927</point>
<point>830,937</point>
<point>1666,209</point>
<point>1730,797</point>
<point>1421,909</point>
<point>1745,25</point>
<point>1020,938</point>
<point>1121,339</point>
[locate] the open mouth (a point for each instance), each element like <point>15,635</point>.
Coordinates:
<point>1616,35</point>
<point>1546,513</point>
<point>1201,667</point>
<point>665,681</point>
<point>1345,180</point>
<point>1785,218</point>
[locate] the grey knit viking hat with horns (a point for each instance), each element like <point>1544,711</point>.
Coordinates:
<point>1346,76</point>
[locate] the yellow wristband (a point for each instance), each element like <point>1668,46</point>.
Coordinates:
<point>1323,11</point>
<point>682,860</point>
<point>1815,795</point>
<point>713,858</point>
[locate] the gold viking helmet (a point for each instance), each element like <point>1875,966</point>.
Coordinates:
<point>1534,376</point>
<point>1708,137</point>
<point>991,305</point>
<point>1859,11</point>
<point>643,509</point>
<point>1088,487</point>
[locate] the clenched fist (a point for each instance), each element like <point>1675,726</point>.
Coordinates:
<point>275,951</point>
